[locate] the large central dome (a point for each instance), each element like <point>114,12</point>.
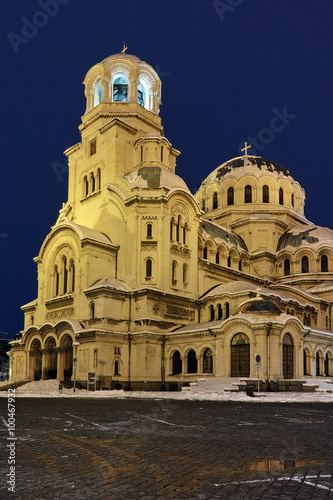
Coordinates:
<point>244,165</point>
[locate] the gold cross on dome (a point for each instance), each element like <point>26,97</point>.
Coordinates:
<point>124,48</point>
<point>245,148</point>
<point>258,290</point>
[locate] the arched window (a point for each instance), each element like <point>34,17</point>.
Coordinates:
<point>265,194</point>
<point>174,270</point>
<point>116,368</point>
<point>143,94</point>
<point>98,92</point>
<point>207,361</point>
<point>56,281</point>
<point>185,273</point>
<point>215,202</point>
<point>149,230</point>
<point>292,199</point>
<point>149,268</point>
<point>91,310</point>
<point>288,356</point>
<point>324,264</point>
<point>248,194</point>
<point>120,88</point>
<point>319,363</point>
<point>141,153</point>
<point>306,362</point>
<point>161,154</point>
<point>184,234</point>
<point>286,267</point>
<point>178,229</point>
<point>98,179</point>
<point>227,309</point>
<point>71,276</point>
<point>192,363</point>
<point>281,196</point>
<point>85,186</point>
<point>171,229</point>
<point>305,264</point>
<point>239,265</point>
<point>205,253</point>
<point>231,196</point>
<point>203,204</point>
<point>219,311</point>
<point>65,274</point>
<point>229,261</point>
<point>176,363</point>
<point>217,258</point>
<point>212,313</point>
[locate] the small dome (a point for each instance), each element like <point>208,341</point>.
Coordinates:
<point>155,178</point>
<point>305,235</point>
<point>258,305</point>
<point>242,165</point>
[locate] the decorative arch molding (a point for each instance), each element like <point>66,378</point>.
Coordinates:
<point>93,75</point>
<point>188,197</point>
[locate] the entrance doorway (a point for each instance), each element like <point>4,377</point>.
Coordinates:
<point>36,358</point>
<point>51,359</point>
<point>240,355</point>
<point>288,356</point>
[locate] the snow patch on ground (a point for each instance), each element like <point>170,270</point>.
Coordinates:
<point>207,390</point>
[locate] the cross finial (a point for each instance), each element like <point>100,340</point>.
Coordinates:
<point>258,290</point>
<point>124,48</point>
<point>245,148</point>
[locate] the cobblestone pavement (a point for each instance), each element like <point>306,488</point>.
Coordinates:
<point>164,449</point>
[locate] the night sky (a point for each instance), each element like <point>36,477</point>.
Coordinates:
<point>228,68</point>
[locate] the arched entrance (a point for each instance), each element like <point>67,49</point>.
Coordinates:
<point>288,356</point>
<point>50,369</point>
<point>207,361</point>
<point>66,349</point>
<point>176,363</point>
<point>240,355</point>
<point>36,359</point>
<point>306,362</point>
<point>192,363</point>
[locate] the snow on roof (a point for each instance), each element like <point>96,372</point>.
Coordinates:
<point>238,287</point>
<point>82,231</point>
<point>110,283</point>
<point>220,234</point>
<point>305,235</point>
<point>155,178</point>
<point>249,165</point>
<point>323,287</point>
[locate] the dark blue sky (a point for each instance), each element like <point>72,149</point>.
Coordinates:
<point>228,68</point>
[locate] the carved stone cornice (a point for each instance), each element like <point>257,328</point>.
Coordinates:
<point>61,300</point>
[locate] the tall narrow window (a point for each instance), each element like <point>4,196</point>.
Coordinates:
<point>281,196</point>
<point>203,204</point>
<point>176,363</point>
<point>217,258</point>
<point>248,194</point>
<point>305,264</point>
<point>92,310</point>
<point>161,154</point>
<point>229,261</point>
<point>184,234</point>
<point>56,281</point>
<point>174,271</point>
<point>171,229</point>
<point>231,196</point>
<point>85,186</point>
<point>149,230</point>
<point>185,273</point>
<point>178,229</point>
<point>286,267</point>
<point>73,276</point>
<point>141,153</point>
<point>215,202</point>
<point>212,313</point>
<point>92,147</point>
<point>141,95</point>
<point>98,93</point>
<point>324,264</point>
<point>239,265</point>
<point>116,368</point>
<point>227,309</point>
<point>219,311</point>
<point>292,199</point>
<point>205,253</point>
<point>120,88</point>
<point>265,194</point>
<point>149,268</point>
<point>65,274</point>
<point>98,179</point>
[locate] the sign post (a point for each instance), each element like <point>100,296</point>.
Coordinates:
<point>91,380</point>
<point>258,366</point>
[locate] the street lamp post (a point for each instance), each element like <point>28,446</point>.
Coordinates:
<point>75,345</point>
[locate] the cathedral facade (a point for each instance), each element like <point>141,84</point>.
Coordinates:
<point>145,286</point>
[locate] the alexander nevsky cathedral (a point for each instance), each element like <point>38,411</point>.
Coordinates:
<point>144,286</point>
